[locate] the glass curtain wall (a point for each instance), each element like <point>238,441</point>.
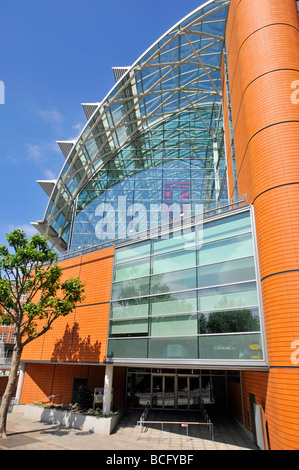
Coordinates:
<point>191,296</point>
<point>182,389</point>
<point>171,165</point>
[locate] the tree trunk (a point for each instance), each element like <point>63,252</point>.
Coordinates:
<point>10,388</point>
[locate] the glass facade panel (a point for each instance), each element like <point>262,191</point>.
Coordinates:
<point>130,252</point>
<point>173,348</point>
<point>227,272</point>
<point>188,301</point>
<point>129,327</point>
<point>175,242</point>
<point>129,308</point>
<point>227,227</point>
<point>174,281</point>
<point>238,295</point>
<point>127,348</point>
<point>173,303</point>
<point>228,248</point>
<point>132,270</point>
<point>172,261</point>
<point>132,288</point>
<point>229,321</point>
<point>174,325</point>
<point>238,347</point>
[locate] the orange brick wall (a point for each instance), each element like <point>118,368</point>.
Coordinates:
<point>43,380</point>
<point>3,383</point>
<point>82,335</point>
<point>235,400</point>
<point>262,40</point>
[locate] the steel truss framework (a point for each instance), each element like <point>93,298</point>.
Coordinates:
<point>179,73</point>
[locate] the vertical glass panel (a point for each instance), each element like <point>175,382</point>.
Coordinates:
<point>241,347</point>
<point>138,390</point>
<point>194,393</point>
<point>157,399</point>
<point>183,395</point>
<point>168,391</point>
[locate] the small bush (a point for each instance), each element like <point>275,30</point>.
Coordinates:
<point>84,398</point>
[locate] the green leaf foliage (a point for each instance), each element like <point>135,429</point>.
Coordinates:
<point>32,294</point>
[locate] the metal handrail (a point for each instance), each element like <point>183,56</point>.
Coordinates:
<point>142,421</point>
<point>182,423</point>
<point>47,398</point>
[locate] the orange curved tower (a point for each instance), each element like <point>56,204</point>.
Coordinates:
<point>262,44</point>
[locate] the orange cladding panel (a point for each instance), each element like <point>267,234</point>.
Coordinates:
<point>262,41</point>
<point>82,335</point>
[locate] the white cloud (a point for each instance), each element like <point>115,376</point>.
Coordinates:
<point>49,174</point>
<point>35,152</point>
<point>78,128</point>
<point>52,117</point>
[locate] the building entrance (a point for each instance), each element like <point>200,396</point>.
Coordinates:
<point>175,389</point>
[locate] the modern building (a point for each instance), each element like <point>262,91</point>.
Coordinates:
<point>178,207</point>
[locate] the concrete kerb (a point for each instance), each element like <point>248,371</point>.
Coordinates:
<point>98,425</point>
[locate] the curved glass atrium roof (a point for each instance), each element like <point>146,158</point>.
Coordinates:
<point>156,138</point>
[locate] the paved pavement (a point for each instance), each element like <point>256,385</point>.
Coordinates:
<point>29,434</point>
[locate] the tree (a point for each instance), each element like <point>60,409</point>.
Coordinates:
<point>28,267</point>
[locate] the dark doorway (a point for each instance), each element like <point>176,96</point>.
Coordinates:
<point>252,416</point>
<point>78,382</point>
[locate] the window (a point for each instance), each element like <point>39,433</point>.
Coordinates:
<point>175,299</point>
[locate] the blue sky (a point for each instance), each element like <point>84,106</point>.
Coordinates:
<point>55,55</point>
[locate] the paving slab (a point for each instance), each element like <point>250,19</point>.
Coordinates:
<point>29,434</point>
